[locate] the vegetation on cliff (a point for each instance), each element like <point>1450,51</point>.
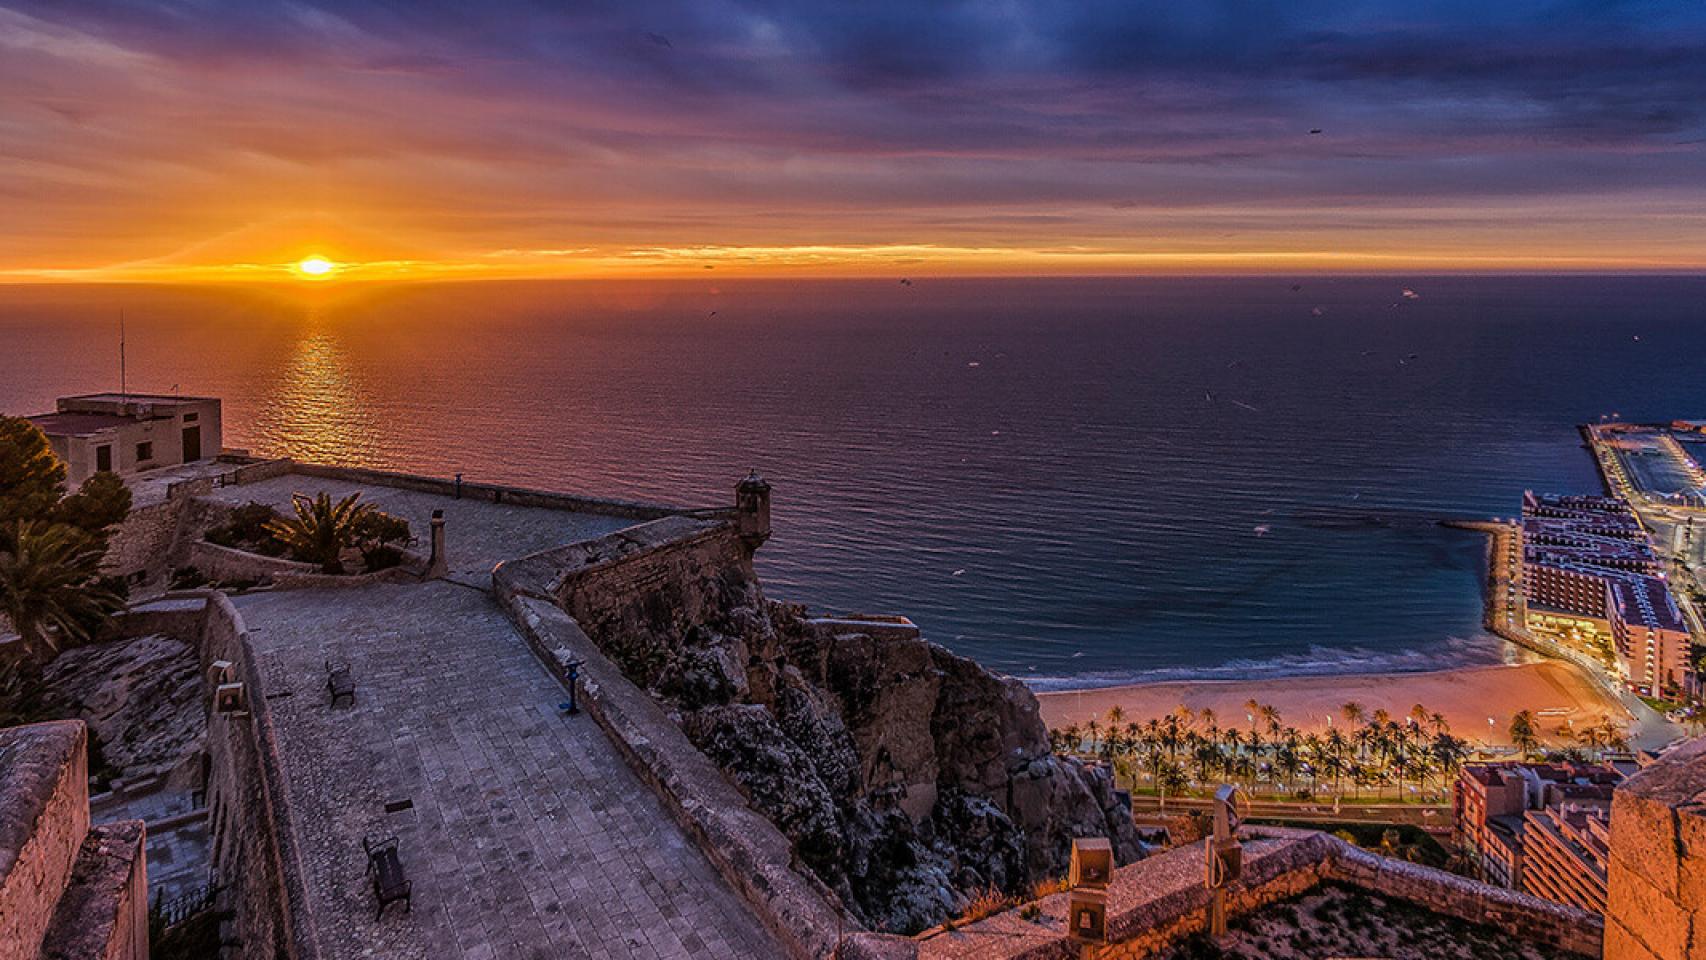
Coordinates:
<point>911,781</point>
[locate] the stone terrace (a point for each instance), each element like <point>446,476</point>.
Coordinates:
<point>480,533</point>
<point>528,835</point>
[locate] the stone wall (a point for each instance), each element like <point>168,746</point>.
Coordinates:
<point>1656,907</point>
<point>253,859</point>
<point>490,492</point>
<point>104,912</point>
<point>902,777</point>
<point>1156,902</point>
<point>141,543</point>
<point>227,564</point>
<point>748,850</point>
<point>44,815</point>
<point>67,892</point>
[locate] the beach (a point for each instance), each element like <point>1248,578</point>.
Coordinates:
<point>1559,693</point>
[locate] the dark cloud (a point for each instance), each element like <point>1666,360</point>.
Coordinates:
<point>1029,111</point>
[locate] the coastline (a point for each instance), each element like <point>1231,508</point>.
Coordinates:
<point>1560,692</point>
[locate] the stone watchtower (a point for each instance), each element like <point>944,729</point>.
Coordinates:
<point>752,510</point>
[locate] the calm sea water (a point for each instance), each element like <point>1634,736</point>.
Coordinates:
<point>1071,480</point>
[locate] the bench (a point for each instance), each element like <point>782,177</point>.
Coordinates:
<point>389,884</point>
<point>339,682</point>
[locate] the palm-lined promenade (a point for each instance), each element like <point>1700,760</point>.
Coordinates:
<point>1364,755</point>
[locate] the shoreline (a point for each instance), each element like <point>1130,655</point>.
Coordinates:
<point>1559,692</point>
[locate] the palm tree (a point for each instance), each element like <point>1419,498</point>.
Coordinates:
<point>1094,727</point>
<point>321,528</point>
<point>50,586</point>
<point>1252,707</point>
<point>1271,715</point>
<point>1116,716</point>
<point>1354,713</point>
<point>1524,733</point>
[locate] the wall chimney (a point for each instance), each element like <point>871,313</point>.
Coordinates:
<point>438,564</point>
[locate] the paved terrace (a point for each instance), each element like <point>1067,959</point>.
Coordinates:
<point>479,533</point>
<point>528,836</point>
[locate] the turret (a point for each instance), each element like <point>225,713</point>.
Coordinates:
<point>752,509</point>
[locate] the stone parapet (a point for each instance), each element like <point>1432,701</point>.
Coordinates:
<point>1656,885</point>
<point>1158,901</point>
<point>745,847</point>
<point>103,914</point>
<point>44,816</point>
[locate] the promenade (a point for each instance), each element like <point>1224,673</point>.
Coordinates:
<point>524,832</point>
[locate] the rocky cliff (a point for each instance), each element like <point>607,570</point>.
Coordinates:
<point>908,778</point>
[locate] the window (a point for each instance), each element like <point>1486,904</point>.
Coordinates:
<point>104,458</point>
<point>144,451</point>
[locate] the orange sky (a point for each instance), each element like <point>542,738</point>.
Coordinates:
<point>151,144</point>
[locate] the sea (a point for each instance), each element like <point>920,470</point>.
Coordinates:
<point>1076,481</point>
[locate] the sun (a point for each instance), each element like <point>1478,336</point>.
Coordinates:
<point>315,267</point>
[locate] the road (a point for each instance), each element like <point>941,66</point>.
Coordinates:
<point>1434,818</point>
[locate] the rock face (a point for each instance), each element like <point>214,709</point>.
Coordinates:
<point>908,778</point>
<point>142,700</point>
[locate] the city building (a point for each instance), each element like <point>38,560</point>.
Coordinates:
<point>1589,571</point>
<point>1537,827</point>
<point>131,432</point>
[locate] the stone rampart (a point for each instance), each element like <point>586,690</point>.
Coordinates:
<point>1656,905</point>
<point>253,857</point>
<point>1156,902</point>
<point>489,492</point>
<point>44,815</point>
<point>142,541</point>
<point>103,914</point>
<point>745,847</point>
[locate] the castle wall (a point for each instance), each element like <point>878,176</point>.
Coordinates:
<point>245,799</point>
<point>745,847</point>
<point>44,815</point>
<point>1656,903</point>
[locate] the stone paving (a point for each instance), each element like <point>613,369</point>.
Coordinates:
<point>478,533</point>
<point>525,834</point>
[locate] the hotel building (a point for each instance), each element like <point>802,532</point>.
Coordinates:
<point>1588,567</point>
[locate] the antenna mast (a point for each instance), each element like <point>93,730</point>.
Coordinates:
<point>123,381</point>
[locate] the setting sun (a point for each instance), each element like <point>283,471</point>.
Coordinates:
<point>315,267</point>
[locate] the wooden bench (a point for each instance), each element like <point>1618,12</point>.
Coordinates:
<point>389,884</point>
<point>339,682</point>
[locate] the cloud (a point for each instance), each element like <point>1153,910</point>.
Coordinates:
<point>535,125</point>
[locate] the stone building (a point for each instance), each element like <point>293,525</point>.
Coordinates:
<point>130,433</point>
<point>68,891</point>
<point>1656,908</point>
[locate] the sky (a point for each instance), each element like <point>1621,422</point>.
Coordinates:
<point>225,140</point>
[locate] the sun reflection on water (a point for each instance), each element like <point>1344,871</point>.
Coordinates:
<point>321,410</point>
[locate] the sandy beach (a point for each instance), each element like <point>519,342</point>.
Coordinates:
<point>1559,693</point>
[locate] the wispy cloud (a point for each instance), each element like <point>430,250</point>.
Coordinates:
<point>138,131</point>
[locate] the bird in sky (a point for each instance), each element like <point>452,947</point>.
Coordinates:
<point>660,40</point>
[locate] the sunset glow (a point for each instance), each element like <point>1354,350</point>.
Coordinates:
<point>315,267</point>
<point>508,140</point>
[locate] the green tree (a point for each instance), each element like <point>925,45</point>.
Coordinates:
<point>377,533</point>
<point>101,503</point>
<point>321,529</point>
<point>50,586</point>
<point>32,480</point>
<point>1525,733</point>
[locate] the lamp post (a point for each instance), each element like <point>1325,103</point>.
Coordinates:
<point>573,668</point>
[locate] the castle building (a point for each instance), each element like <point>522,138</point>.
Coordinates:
<point>131,432</point>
